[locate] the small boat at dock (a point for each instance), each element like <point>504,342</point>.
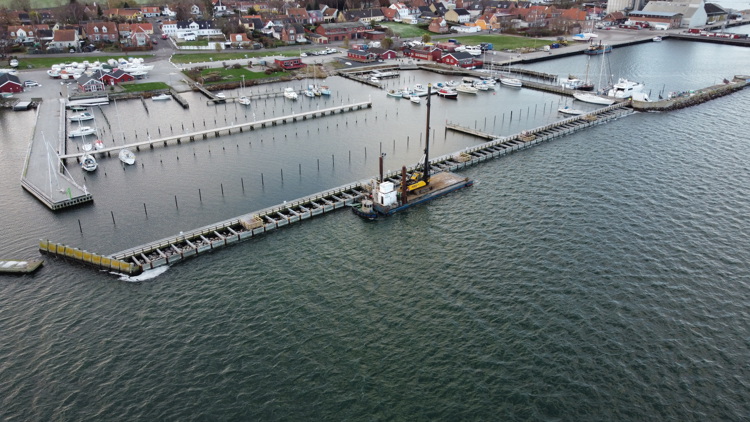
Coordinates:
<point>466,89</point>
<point>571,111</point>
<point>290,93</point>
<point>596,49</point>
<point>395,94</point>
<point>448,93</point>
<point>161,97</point>
<point>656,39</point>
<point>98,144</point>
<point>82,117</point>
<point>244,100</point>
<point>415,100</point>
<point>88,163</point>
<point>126,156</point>
<point>516,83</point>
<point>82,131</point>
<point>593,99</point>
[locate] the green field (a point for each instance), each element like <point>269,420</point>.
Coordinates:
<point>217,57</point>
<point>44,62</point>
<point>148,86</point>
<point>406,31</point>
<point>504,42</point>
<point>235,75</point>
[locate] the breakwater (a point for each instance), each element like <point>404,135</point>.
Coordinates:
<point>692,98</point>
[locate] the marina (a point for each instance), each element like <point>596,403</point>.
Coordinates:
<point>597,276</point>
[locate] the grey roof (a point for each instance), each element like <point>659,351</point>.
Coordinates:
<point>462,12</point>
<point>714,9</point>
<point>654,14</point>
<point>7,77</point>
<point>460,55</point>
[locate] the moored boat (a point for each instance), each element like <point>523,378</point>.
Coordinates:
<point>595,49</point>
<point>98,144</point>
<point>656,39</point>
<point>571,111</point>
<point>466,89</point>
<point>82,131</point>
<point>161,97</point>
<point>244,100</point>
<point>395,94</point>
<point>625,88</point>
<point>415,100</point>
<point>88,163</point>
<point>593,99</point>
<point>126,156</point>
<point>82,117</point>
<point>290,93</point>
<point>516,83</point>
<point>448,93</point>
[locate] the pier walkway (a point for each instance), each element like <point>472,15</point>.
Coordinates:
<point>238,127</point>
<point>44,175</point>
<point>173,249</point>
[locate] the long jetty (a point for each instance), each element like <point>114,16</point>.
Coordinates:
<point>237,127</point>
<point>173,249</point>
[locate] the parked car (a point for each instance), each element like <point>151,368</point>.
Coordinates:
<point>13,63</point>
<point>30,83</point>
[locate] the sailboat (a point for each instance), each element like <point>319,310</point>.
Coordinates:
<point>88,162</point>
<point>421,186</point>
<point>244,100</point>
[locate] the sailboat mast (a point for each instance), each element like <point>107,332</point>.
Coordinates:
<point>426,172</point>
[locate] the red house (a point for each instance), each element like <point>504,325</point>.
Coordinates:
<point>361,55</point>
<point>10,83</point>
<point>382,53</point>
<point>428,53</point>
<point>459,58</point>
<point>290,63</point>
<point>116,76</point>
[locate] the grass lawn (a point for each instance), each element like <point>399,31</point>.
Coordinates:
<point>235,75</point>
<point>217,57</point>
<point>148,86</point>
<point>503,42</point>
<point>45,62</point>
<point>201,43</point>
<point>406,31</point>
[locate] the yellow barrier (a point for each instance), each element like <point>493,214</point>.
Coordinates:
<point>89,258</point>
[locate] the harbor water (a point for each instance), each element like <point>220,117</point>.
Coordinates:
<point>600,276</point>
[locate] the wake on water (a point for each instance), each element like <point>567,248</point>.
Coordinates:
<point>146,275</point>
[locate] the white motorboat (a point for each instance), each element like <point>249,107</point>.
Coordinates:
<point>82,117</point>
<point>481,86</point>
<point>126,156</point>
<point>466,89</point>
<point>375,79</point>
<point>98,144</point>
<point>161,97</point>
<point>593,99</point>
<point>221,95</point>
<point>511,82</point>
<point>571,111</point>
<point>625,88</point>
<point>290,94</point>
<point>86,146</point>
<point>324,90</point>
<point>244,100</point>
<point>448,93</point>
<point>88,163</point>
<point>82,131</point>
<point>415,100</point>
<point>395,94</point>
<point>656,39</point>
<point>452,83</point>
<point>308,93</point>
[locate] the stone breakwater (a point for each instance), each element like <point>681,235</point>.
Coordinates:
<point>695,97</point>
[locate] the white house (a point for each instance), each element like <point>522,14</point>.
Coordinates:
<point>168,12</point>
<point>197,28</point>
<point>402,12</point>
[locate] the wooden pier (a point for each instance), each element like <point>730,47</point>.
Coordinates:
<point>227,130</point>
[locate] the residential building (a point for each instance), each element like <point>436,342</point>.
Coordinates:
<point>341,31</point>
<point>290,63</point>
<point>461,16</point>
<point>150,11</point>
<point>64,39</point>
<point>90,84</point>
<point>101,32</point>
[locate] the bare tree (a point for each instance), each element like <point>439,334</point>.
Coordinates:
<point>24,5</point>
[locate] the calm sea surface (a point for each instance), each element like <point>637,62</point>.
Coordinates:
<point>601,276</point>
